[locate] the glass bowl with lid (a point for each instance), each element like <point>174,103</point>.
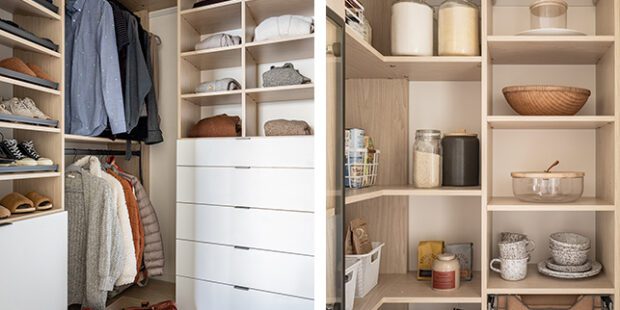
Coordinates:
<point>547,186</point>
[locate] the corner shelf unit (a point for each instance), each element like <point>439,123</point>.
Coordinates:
<point>245,63</point>
<point>392,96</point>
<point>48,141</point>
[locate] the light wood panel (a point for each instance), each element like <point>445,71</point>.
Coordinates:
<point>548,50</point>
<point>262,9</point>
<point>364,61</point>
<point>22,126</point>
<point>149,5</point>
<point>405,288</point>
<point>380,107</point>
<point>281,93</point>
<point>214,98</point>
<point>92,140</point>
<point>216,58</point>
<point>29,8</point>
<point>27,216</point>
<point>549,122</point>
<point>214,18</point>
<point>10,40</point>
<point>357,195</point>
<point>286,49</point>
<point>583,204</point>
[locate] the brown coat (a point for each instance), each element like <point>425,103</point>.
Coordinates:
<point>134,218</point>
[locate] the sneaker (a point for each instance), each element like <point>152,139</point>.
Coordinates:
<point>29,103</point>
<point>27,148</point>
<point>5,161</point>
<point>4,110</point>
<point>17,107</point>
<point>12,151</point>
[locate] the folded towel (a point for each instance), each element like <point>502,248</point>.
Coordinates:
<point>218,40</point>
<point>282,127</point>
<point>218,85</point>
<point>282,76</point>
<point>283,26</point>
<point>217,126</point>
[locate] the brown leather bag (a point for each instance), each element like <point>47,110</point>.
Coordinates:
<point>164,305</point>
<point>217,126</point>
<point>548,302</point>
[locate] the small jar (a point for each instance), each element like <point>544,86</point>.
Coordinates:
<point>446,273</point>
<point>427,158</point>
<point>458,28</point>
<point>548,14</point>
<point>412,28</point>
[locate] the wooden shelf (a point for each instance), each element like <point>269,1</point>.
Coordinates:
<point>405,289</point>
<point>548,49</point>
<point>28,175</point>
<point>87,139</point>
<point>583,204</point>
<point>11,40</point>
<point>536,283</point>
<point>262,9</point>
<point>6,80</point>
<point>282,93</point>
<point>364,61</point>
<point>520,3</point>
<point>215,98</point>
<point>21,126</point>
<point>549,122</point>
<point>149,5</point>
<point>28,8</point>
<point>214,18</point>
<point>301,47</point>
<point>216,58</point>
<point>357,195</point>
<point>26,216</point>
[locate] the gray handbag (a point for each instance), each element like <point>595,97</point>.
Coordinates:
<point>282,76</point>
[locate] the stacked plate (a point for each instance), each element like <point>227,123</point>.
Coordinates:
<point>569,259</point>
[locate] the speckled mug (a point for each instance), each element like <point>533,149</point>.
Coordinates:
<point>511,236</point>
<point>516,249</point>
<point>510,269</point>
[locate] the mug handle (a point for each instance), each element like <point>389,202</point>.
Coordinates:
<point>533,244</point>
<point>493,261</point>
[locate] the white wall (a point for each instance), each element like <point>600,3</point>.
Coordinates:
<point>163,156</point>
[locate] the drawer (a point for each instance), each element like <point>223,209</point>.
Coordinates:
<point>192,294</point>
<point>276,272</point>
<point>284,231</point>
<point>254,152</point>
<point>265,188</point>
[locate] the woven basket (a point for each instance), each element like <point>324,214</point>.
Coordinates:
<point>546,100</point>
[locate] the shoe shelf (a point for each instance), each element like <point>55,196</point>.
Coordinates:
<point>538,284</point>
<point>28,8</point>
<point>358,195</point>
<point>549,122</point>
<point>94,140</point>
<point>26,216</point>
<point>405,288</point>
<point>22,126</point>
<point>28,175</point>
<point>18,83</point>
<point>10,40</point>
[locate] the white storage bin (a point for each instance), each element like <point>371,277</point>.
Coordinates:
<point>368,272</point>
<point>350,280</point>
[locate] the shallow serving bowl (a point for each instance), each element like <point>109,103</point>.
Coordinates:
<point>546,100</point>
<point>556,187</point>
<point>568,240</point>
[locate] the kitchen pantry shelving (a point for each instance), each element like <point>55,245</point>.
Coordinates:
<point>245,63</point>
<point>43,22</point>
<point>393,96</point>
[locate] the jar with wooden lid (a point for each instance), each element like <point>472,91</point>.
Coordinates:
<point>446,273</point>
<point>412,28</point>
<point>458,28</point>
<point>427,158</point>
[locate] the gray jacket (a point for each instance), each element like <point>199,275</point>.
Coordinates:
<point>95,242</point>
<point>153,246</point>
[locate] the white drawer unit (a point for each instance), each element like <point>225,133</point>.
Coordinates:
<point>266,188</point>
<point>276,230</point>
<point>195,294</point>
<point>33,256</point>
<point>275,272</point>
<point>251,152</point>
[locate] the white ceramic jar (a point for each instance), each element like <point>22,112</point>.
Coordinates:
<point>446,273</point>
<point>458,29</point>
<point>412,28</point>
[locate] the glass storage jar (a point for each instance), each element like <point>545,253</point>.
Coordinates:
<point>412,28</point>
<point>427,158</point>
<point>548,14</point>
<point>458,28</point>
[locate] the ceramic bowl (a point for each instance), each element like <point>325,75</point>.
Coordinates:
<point>568,240</point>
<point>587,266</point>
<point>569,257</point>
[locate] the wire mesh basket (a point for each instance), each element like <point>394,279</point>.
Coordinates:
<point>360,168</point>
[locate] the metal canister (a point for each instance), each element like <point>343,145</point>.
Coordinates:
<point>356,138</point>
<point>461,161</point>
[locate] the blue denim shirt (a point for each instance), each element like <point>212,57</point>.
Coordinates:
<point>92,74</point>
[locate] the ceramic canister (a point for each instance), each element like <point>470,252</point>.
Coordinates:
<point>461,159</point>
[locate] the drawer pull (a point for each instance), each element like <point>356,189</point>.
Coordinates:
<point>242,167</point>
<point>242,248</point>
<point>6,224</point>
<point>242,207</point>
<point>242,288</point>
<point>242,138</point>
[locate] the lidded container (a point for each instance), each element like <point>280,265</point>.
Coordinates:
<point>412,28</point>
<point>427,158</point>
<point>446,273</point>
<point>547,186</point>
<point>548,14</point>
<point>458,28</point>
<point>461,159</point>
